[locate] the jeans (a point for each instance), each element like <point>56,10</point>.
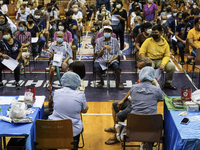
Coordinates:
<point>75,42</point>
<point>52,31</point>
<point>41,43</point>
<point>181,47</point>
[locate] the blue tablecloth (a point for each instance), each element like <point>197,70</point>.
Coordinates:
<point>12,129</point>
<point>180,136</point>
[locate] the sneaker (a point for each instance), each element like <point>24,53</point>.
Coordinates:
<point>1,84</point>
<point>18,87</point>
<point>47,46</point>
<point>120,86</point>
<point>182,62</point>
<point>22,71</point>
<point>100,85</point>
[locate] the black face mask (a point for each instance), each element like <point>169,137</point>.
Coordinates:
<point>186,20</point>
<point>168,9</point>
<point>30,22</point>
<point>138,13</point>
<point>49,9</point>
<point>155,36</point>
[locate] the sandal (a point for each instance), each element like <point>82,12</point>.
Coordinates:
<point>110,130</point>
<point>111,141</point>
<point>170,87</point>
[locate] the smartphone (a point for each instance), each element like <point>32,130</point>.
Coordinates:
<point>185,121</point>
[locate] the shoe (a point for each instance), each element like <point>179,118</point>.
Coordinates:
<point>111,129</point>
<point>100,85</point>
<point>182,62</point>
<point>22,71</point>
<point>1,84</point>
<point>18,87</point>
<point>47,46</point>
<point>120,86</point>
<point>36,57</point>
<point>169,86</point>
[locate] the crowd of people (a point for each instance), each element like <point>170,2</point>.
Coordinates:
<point>154,31</point>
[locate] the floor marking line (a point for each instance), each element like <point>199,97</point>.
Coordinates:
<point>97,114</point>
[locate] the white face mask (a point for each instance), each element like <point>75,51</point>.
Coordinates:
<point>194,6</point>
<point>75,9</point>
<point>150,1</point>
<point>61,28</point>
<point>149,31</point>
<point>1,2</point>
<point>37,17</point>
<point>174,14</point>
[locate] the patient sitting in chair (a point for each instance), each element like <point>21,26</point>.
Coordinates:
<point>144,97</point>
<point>64,50</point>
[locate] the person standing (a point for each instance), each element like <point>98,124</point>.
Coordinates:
<point>150,12</point>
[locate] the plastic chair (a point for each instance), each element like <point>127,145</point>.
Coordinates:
<point>196,64</point>
<point>143,128</point>
<point>55,134</point>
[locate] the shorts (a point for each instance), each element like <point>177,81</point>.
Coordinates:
<point>114,66</point>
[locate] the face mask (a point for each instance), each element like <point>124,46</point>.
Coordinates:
<point>75,9</point>
<point>118,6</point>
<point>155,36</point>
<point>1,2</point>
<point>49,9</point>
<point>107,35</point>
<point>186,20</point>
<point>59,40</point>
<point>100,22</point>
<point>103,7</point>
<point>137,24</point>
<point>150,1</point>
<point>168,9</point>
<point>22,11</point>
<point>137,14</point>
<point>21,29</point>
<point>61,28</point>
<point>180,19</point>
<point>149,31</point>
<point>174,14</point>
<point>7,37</point>
<point>42,11</point>
<point>30,22</point>
<point>164,9</point>
<point>37,17</point>
<point>194,6</point>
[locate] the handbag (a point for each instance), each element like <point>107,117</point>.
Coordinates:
<point>118,28</point>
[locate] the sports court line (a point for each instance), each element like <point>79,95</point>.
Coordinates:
<point>96,114</point>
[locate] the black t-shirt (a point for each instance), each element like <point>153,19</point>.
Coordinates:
<point>123,14</point>
<point>10,50</point>
<point>33,31</point>
<point>195,12</point>
<point>137,30</point>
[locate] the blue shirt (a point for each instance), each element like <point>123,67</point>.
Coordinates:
<point>40,23</point>
<point>187,28</point>
<point>144,98</point>
<point>73,22</point>
<point>68,104</point>
<point>67,52</point>
<point>168,22</point>
<point>113,43</point>
<point>10,50</point>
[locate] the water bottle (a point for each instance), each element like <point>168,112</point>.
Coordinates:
<point>1,111</point>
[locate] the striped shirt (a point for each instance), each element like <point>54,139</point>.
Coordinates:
<point>115,51</point>
<point>150,11</point>
<point>24,38</point>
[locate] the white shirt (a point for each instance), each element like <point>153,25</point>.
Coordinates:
<point>23,17</point>
<point>133,15</point>
<point>77,16</point>
<point>52,13</point>
<point>4,8</point>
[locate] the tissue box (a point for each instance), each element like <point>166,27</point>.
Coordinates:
<point>191,106</point>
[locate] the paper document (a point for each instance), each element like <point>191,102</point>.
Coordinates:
<point>34,39</point>
<point>10,63</point>
<point>103,64</point>
<point>6,100</point>
<point>174,38</point>
<point>57,59</point>
<point>115,20</point>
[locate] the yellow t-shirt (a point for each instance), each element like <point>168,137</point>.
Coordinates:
<point>195,35</point>
<point>153,50</point>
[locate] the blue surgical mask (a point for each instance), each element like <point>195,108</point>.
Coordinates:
<point>59,40</point>
<point>137,24</point>
<point>107,35</point>
<point>21,29</point>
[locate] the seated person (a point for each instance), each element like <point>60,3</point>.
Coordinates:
<point>107,46</point>
<point>33,29</point>
<point>22,13</point>
<point>101,10</point>
<point>78,16</point>
<point>25,38</point>
<point>194,37</point>
<point>147,28</point>
<point>71,107</point>
<point>144,97</point>
<point>182,30</point>
<point>4,7</point>
<point>41,26</point>
<point>89,11</point>
<point>5,22</point>
<point>97,25</point>
<point>10,47</point>
<point>137,30</point>
<point>122,108</point>
<point>157,49</point>
<point>63,47</point>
